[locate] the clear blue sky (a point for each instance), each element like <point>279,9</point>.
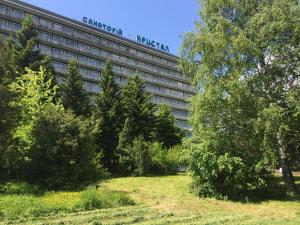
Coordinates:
<point>161,20</point>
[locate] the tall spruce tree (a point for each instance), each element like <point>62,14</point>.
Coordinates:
<point>74,96</point>
<point>138,109</point>
<point>166,132</point>
<point>109,114</point>
<point>5,52</point>
<point>21,53</point>
<point>7,125</point>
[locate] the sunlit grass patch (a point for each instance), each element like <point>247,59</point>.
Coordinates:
<point>18,206</point>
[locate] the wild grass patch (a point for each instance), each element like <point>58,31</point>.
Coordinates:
<point>23,204</point>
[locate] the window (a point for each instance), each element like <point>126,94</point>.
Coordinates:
<point>81,34</point>
<point>95,51</point>
<point>91,87</point>
<point>69,30</point>
<point>115,57</point>
<point>3,9</point>
<point>56,39</point>
<point>45,35</point>
<point>122,48</point>
<point>45,23</point>
<point>132,51</point>
<point>116,68</point>
<point>17,13</point>
<point>45,49</point>
<point>60,67</point>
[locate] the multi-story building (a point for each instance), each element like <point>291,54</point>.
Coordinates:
<point>64,39</point>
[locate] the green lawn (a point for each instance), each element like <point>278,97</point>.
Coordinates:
<point>166,200</point>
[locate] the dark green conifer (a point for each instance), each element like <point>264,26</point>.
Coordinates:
<point>166,132</point>
<point>109,114</point>
<point>74,96</point>
<point>21,53</point>
<point>138,109</point>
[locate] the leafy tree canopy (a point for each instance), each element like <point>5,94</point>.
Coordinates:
<point>244,60</point>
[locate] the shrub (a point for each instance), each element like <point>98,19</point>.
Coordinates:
<point>162,160</point>
<point>90,199</point>
<point>225,176</point>
<point>139,153</point>
<point>19,188</point>
<point>62,154</point>
<point>93,199</point>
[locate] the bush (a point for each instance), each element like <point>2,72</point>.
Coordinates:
<point>226,176</point>
<point>143,158</point>
<point>19,188</point>
<point>162,161</point>
<point>93,199</point>
<point>62,154</point>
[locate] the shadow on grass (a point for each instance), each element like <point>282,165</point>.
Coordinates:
<point>280,192</point>
<point>277,192</point>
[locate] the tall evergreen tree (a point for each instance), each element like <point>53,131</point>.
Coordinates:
<point>7,124</point>
<point>21,53</point>
<point>5,51</point>
<point>74,96</point>
<point>166,132</point>
<point>139,110</point>
<point>109,114</point>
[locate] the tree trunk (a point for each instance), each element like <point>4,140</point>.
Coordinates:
<point>287,174</point>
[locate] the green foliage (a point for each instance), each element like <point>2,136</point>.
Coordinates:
<point>226,176</point>
<point>93,199</point>
<point>19,188</point>
<point>109,117</point>
<point>142,158</point>
<point>74,96</point>
<point>64,156</point>
<point>21,53</point>
<point>34,91</point>
<point>25,205</point>
<point>53,147</point>
<point>246,74</point>
<point>139,152</point>
<point>139,110</point>
<point>5,51</point>
<point>163,161</point>
<point>166,131</point>
<point>7,124</point>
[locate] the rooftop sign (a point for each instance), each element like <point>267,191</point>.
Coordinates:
<point>102,26</point>
<point>152,43</point>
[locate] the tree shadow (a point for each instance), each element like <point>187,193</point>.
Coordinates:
<point>277,192</point>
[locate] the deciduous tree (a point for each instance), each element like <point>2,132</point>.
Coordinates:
<point>244,58</point>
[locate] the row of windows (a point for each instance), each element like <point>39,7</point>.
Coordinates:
<point>92,74</point>
<point>72,31</point>
<point>164,90</point>
<point>88,86</point>
<point>170,101</point>
<point>94,88</point>
<point>178,112</point>
<point>55,39</point>
<point>11,26</point>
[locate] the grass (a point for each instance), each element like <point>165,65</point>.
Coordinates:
<point>159,200</point>
<point>15,207</point>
